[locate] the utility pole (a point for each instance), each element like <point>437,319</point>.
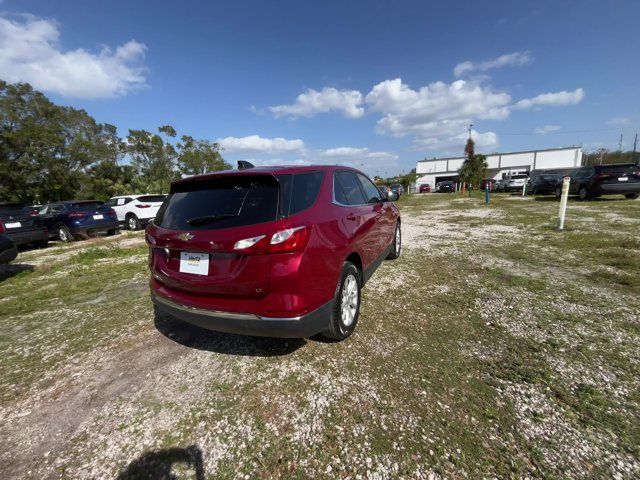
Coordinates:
<point>620,149</point>
<point>633,155</point>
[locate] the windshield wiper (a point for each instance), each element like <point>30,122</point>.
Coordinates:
<point>200,221</point>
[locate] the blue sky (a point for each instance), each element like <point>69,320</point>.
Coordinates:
<point>377,84</point>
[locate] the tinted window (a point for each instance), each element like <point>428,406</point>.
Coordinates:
<point>86,206</point>
<point>305,191</point>
<point>618,169</point>
<point>12,208</point>
<point>370,190</point>
<point>151,198</point>
<point>224,202</point>
<point>111,202</point>
<point>351,192</point>
<point>56,209</point>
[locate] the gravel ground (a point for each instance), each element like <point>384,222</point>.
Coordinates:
<point>470,361</point>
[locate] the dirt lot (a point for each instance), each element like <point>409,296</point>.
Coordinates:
<point>495,346</point>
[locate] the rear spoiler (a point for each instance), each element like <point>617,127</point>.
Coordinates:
<point>244,165</point>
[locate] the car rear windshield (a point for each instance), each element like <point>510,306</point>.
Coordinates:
<point>618,169</point>
<point>222,202</point>
<point>518,177</point>
<point>9,208</point>
<point>152,198</point>
<point>86,206</point>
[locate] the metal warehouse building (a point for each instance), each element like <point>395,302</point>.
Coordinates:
<point>435,170</point>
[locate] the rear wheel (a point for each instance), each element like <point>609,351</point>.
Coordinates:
<point>133,223</point>
<point>397,244</point>
<point>584,194</point>
<point>632,196</point>
<point>64,234</point>
<point>346,304</point>
<point>558,193</point>
<point>113,231</point>
<point>42,243</point>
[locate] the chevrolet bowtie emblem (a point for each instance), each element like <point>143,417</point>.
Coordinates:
<point>185,236</point>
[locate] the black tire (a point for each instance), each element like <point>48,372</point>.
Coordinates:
<point>113,231</point>
<point>397,244</point>
<point>132,222</point>
<point>632,196</point>
<point>42,243</point>
<point>64,234</point>
<point>535,190</point>
<point>558,193</point>
<point>584,194</point>
<point>340,326</point>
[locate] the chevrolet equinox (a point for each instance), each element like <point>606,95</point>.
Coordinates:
<point>277,251</point>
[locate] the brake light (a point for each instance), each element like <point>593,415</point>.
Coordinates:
<point>1,227</point>
<point>600,176</point>
<point>289,240</point>
<point>143,205</point>
<point>34,213</point>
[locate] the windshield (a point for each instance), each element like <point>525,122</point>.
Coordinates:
<point>224,202</point>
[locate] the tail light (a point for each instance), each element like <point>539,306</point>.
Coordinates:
<point>600,176</point>
<point>1,227</point>
<point>111,212</point>
<point>288,240</point>
<point>34,213</point>
<point>143,205</point>
<point>78,214</point>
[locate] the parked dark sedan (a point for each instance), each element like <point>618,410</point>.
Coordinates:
<point>79,218</point>
<point>446,186</point>
<point>8,249</point>
<point>23,224</point>
<point>543,184</point>
<point>598,180</point>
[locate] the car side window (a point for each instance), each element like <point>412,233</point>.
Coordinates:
<point>351,191</point>
<point>43,210</point>
<point>370,190</point>
<point>110,203</point>
<point>56,209</point>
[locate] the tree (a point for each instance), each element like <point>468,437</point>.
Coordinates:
<point>153,158</point>
<point>199,156</point>
<point>45,148</point>
<point>474,167</point>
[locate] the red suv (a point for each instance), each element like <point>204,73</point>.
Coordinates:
<point>277,251</point>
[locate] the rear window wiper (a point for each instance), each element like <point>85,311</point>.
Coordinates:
<point>200,221</point>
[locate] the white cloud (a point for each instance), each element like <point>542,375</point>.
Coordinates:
<point>552,99</point>
<point>30,52</point>
<point>312,102</point>
<point>510,59</point>
<point>619,121</point>
<point>486,141</point>
<point>360,157</point>
<point>278,161</point>
<point>257,144</point>
<point>547,129</point>
<point>438,114</point>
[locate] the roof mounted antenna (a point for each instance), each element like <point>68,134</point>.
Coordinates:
<point>243,165</point>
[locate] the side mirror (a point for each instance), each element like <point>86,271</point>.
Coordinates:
<point>392,197</point>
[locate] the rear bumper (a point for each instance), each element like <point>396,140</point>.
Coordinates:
<point>617,188</point>
<point>93,229</point>
<point>247,323</point>
<point>22,237</point>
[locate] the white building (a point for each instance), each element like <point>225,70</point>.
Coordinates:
<point>436,170</point>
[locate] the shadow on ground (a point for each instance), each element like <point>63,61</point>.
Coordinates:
<point>230,344</point>
<point>158,464</point>
<point>13,269</point>
<point>572,198</point>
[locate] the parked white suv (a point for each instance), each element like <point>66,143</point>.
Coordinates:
<point>135,211</point>
<point>515,181</point>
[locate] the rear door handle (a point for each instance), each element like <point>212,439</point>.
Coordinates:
<point>351,216</point>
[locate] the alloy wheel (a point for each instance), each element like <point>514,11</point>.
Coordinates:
<point>349,301</point>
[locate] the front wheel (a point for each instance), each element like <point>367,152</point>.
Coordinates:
<point>346,304</point>
<point>397,244</point>
<point>632,196</point>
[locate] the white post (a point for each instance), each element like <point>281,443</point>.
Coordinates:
<point>524,189</point>
<point>563,200</point>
